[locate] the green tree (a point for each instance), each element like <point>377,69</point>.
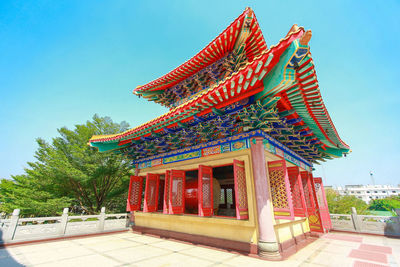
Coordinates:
<point>385,204</point>
<point>68,172</point>
<point>27,195</point>
<point>342,204</point>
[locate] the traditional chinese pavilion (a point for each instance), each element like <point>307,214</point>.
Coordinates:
<point>230,164</point>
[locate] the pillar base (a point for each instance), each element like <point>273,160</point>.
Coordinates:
<point>269,250</point>
<point>131,221</point>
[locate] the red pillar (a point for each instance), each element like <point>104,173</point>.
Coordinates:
<point>267,244</point>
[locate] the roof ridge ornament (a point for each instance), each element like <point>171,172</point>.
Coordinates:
<point>305,38</point>
<point>293,29</point>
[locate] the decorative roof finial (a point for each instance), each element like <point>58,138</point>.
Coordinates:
<point>305,38</point>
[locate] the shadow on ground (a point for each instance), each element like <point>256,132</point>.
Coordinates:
<point>6,259</point>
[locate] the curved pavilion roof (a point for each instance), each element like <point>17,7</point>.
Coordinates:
<point>214,51</point>
<point>305,97</point>
<point>300,104</point>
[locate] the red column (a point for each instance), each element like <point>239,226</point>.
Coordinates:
<point>267,244</point>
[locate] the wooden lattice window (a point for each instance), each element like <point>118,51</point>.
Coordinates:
<point>151,192</point>
<point>280,190</point>
<point>134,200</point>
<point>205,191</point>
<point>240,190</point>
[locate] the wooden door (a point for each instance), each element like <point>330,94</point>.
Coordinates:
<point>151,192</point>
<point>166,192</point>
<point>314,219</point>
<point>134,200</point>
<point>280,190</point>
<point>205,191</point>
<point>296,187</point>
<point>242,212</point>
<point>322,204</point>
<point>177,192</point>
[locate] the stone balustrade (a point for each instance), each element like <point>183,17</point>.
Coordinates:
<point>16,229</point>
<point>368,224</point>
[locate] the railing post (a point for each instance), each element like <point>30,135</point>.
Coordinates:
<point>102,218</point>
<point>355,219</point>
<point>397,212</point>
<point>12,228</point>
<point>64,222</point>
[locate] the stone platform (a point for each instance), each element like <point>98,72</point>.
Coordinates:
<point>129,249</point>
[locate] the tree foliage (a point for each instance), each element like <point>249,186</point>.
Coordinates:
<point>342,204</point>
<point>29,196</point>
<point>69,173</point>
<point>385,204</point>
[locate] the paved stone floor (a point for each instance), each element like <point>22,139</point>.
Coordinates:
<point>129,249</point>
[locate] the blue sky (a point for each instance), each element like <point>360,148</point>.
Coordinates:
<point>63,61</point>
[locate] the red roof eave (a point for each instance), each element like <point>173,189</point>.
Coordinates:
<point>215,50</point>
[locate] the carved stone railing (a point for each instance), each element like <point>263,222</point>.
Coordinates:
<point>342,222</point>
<point>369,224</point>
<point>16,229</point>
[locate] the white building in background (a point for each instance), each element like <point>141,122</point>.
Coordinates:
<point>369,192</point>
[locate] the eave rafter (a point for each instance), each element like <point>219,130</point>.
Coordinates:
<point>306,98</point>
<point>225,122</point>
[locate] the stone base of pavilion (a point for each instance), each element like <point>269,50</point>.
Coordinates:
<point>286,248</point>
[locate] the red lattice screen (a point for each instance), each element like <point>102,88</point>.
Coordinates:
<point>296,187</point>
<point>280,190</point>
<point>323,205</point>
<point>151,192</point>
<point>242,212</point>
<point>134,200</point>
<point>205,191</point>
<point>314,219</point>
<point>177,190</point>
<point>166,192</point>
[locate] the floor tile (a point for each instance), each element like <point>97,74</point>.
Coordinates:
<point>208,253</point>
<point>134,254</point>
<point>331,259</point>
<point>382,249</point>
<point>145,239</point>
<point>113,245</point>
<point>368,255</point>
<point>175,259</point>
<point>87,261</point>
<point>367,264</point>
<point>129,249</point>
<point>172,245</point>
<point>349,238</point>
